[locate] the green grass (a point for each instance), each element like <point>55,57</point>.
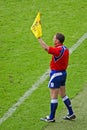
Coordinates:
<point>22,61</point>
<point>80,108</point>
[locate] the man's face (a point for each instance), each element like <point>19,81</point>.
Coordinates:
<point>55,41</point>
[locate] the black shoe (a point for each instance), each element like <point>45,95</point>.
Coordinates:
<point>47,119</point>
<point>69,117</point>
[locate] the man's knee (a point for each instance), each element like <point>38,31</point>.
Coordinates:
<point>62,92</point>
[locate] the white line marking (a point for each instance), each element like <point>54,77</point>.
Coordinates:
<point>73,48</point>
<point>36,85</point>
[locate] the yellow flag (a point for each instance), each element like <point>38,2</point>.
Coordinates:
<point>36,26</point>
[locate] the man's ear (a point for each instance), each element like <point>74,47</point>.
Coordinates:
<point>58,41</point>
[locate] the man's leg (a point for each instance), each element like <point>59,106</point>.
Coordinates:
<point>54,102</point>
<point>53,106</point>
<point>66,101</point>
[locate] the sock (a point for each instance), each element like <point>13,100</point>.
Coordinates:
<point>53,107</point>
<point>67,102</point>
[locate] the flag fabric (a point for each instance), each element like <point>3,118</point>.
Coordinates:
<point>36,26</point>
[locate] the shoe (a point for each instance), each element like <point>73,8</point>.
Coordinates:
<point>47,119</point>
<point>69,117</point>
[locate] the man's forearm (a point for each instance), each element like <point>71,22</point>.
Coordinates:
<point>43,44</point>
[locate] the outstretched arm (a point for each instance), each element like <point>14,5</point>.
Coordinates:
<point>43,44</point>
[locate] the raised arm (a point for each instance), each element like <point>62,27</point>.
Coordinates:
<point>43,44</point>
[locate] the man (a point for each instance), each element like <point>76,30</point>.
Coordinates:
<point>58,66</point>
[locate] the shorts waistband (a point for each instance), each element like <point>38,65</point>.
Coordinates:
<point>55,71</point>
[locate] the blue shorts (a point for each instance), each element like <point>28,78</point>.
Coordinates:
<point>57,79</point>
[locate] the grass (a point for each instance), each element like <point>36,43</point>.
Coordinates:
<point>22,61</point>
<point>80,109</point>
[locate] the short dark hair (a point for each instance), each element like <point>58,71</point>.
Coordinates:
<point>60,37</point>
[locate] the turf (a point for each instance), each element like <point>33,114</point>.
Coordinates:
<point>22,61</point>
<point>79,123</point>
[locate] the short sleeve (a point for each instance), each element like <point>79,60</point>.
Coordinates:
<point>54,51</point>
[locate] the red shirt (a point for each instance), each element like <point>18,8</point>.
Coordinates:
<point>60,57</point>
